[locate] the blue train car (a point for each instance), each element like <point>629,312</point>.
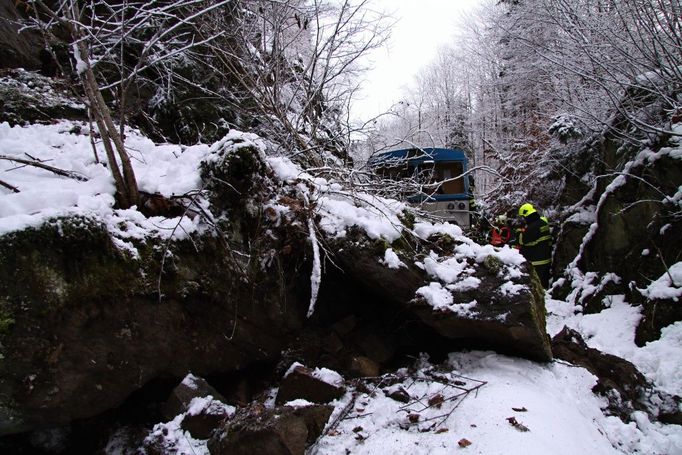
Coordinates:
<point>439,175</point>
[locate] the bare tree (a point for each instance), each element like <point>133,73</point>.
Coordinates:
<point>297,63</point>
<point>114,44</point>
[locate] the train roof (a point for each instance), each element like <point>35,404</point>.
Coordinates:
<point>416,156</point>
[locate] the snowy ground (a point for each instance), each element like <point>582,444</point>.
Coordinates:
<point>552,401</point>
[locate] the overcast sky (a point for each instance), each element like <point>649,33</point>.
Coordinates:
<point>423,26</point>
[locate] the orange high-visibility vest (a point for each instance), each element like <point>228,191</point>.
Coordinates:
<point>500,237</point>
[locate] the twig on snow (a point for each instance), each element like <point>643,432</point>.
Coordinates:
<point>12,188</point>
<point>38,164</point>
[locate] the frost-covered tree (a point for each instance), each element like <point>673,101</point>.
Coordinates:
<point>532,75</point>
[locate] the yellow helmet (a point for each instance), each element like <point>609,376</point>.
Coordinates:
<point>526,209</point>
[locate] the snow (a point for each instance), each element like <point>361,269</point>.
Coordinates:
<point>598,330</point>
<point>374,216</point>
<point>466,284</point>
<point>328,376</point>
<point>209,406</point>
<point>584,215</point>
<point>508,288</point>
<point>391,260</point>
<point>668,286</point>
<point>170,170</point>
<point>81,66</point>
<point>292,367</point>
<point>562,414</point>
<point>440,298</point>
<point>284,169</point>
<point>613,331</point>
<point>660,360</point>
<point>323,374</point>
<point>176,440</point>
<point>316,275</point>
<point>299,403</point>
<point>448,270</point>
<point>190,381</point>
<point>436,295</point>
<point>424,230</point>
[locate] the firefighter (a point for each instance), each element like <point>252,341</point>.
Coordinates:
<point>535,242</point>
<point>501,233</point>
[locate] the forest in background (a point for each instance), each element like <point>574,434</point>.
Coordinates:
<point>526,84</point>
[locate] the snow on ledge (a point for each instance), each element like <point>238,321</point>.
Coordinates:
<point>322,374</point>
<point>664,288</point>
<point>299,403</point>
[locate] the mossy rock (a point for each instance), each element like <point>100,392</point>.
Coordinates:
<point>493,264</point>
<point>83,324</point>
<point>444,242</point>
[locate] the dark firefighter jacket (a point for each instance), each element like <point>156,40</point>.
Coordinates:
<point>536,241</point>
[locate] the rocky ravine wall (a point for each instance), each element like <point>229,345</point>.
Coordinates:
<point>635,232</point>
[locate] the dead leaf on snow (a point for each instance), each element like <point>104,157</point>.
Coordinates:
<point>523,409</point>
<point>436,400</point>
<point>464,442</point>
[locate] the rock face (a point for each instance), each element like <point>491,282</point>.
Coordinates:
<point>27,97</point>
<point>17,50</point>
<point>632,236</point>
<point>631,219</point>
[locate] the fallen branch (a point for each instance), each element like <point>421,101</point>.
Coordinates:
<point>38,164</point>
<point>12,188</point>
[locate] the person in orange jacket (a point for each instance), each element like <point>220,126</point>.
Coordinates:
<point>501,233</point>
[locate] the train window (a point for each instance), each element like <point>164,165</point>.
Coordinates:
<point>449,170</point>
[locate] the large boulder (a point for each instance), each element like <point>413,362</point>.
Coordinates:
<point>282,431</point>
<point>83,324</point>
<point>501,309</point>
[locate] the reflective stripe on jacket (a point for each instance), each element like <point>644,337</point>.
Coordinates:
<point>536,240</point>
